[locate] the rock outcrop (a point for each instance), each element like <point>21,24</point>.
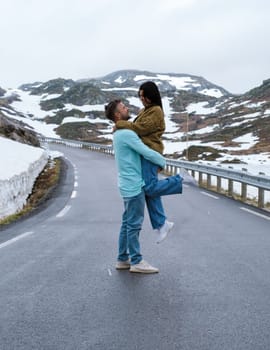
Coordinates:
<point>17,131</point>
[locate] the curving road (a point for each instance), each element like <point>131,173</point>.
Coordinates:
<point>59,289</point>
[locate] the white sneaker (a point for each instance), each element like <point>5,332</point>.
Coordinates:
<point>122,265</point>
<point>143,267</point>
<point>164,230</point>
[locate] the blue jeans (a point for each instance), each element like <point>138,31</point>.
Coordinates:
<point>155,188</point>
<point>132,219</point>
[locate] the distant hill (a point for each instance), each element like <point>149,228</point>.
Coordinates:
<point>169,82</point>
<point>200,115</point>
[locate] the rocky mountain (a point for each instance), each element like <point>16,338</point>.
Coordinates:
<point>17,131</point>
<point>204,121</point>
<point>237,117</point>
<point>167,83</point>
<point>12,128</point>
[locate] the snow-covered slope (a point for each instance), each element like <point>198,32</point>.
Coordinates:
<point>20,166</point>
<point>26,108</point>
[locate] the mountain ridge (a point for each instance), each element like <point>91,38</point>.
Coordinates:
<point>205,113</point>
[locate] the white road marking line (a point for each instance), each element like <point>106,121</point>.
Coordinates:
<point>63,211</point>
<point>15,239</point>
<point>74,194</point>
<point>255,213</point>
<point>209,195</point>
<point>110,272</point>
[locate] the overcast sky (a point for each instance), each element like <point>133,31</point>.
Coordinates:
<point>225,41</point>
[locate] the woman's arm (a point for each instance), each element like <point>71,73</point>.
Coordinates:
<point>152,121</point>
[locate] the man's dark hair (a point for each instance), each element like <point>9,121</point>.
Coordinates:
<point>110,109</point>
<point>150,91</point>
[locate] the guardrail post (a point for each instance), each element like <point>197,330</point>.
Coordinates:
<point>243,192</point>
<point>208,180</point>
<point>200,178</point>
<point>218,184</point>
<point>230,187</point>
<point>260,197</point>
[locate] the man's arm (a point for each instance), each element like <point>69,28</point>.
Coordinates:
<point>135,143</point>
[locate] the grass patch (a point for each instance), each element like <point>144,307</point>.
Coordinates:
<point>44,184</point>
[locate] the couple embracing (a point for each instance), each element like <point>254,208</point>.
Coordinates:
<point>138,152</point>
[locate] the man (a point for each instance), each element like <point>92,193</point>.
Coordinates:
<point>128,149</point>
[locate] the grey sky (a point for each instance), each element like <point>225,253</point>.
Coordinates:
<point>225,41</point>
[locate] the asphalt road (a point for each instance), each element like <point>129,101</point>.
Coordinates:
<point>59,289</point>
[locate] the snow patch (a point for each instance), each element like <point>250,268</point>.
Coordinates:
<point>212,92</point>
<point>86,119</point>
<point>84,108</point>
<point>235,105</point>
<point>247,141</point>
<point>200,108</point>
<point>29,105</point>
<point>256,105</point>
<point>170,125</point>
<point>120,80</point>
<point>205,130</point>
<point>135,101</point>
<point>180,83</point>
<point>120,89</point>
<point>47,97</point>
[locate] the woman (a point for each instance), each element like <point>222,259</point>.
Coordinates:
<point>150,125</point>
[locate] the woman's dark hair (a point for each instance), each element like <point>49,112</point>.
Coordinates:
<point>150,91</point>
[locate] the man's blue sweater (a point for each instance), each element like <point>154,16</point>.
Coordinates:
<point>128,149</point>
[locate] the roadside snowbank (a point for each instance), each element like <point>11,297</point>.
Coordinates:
<point>20,165</point>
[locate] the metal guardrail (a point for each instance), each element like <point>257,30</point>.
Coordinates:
<point>261,181</point>
<point>235,175</point>
<point>80,144</point>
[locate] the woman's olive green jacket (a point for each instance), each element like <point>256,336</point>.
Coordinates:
<point>149,125</point>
